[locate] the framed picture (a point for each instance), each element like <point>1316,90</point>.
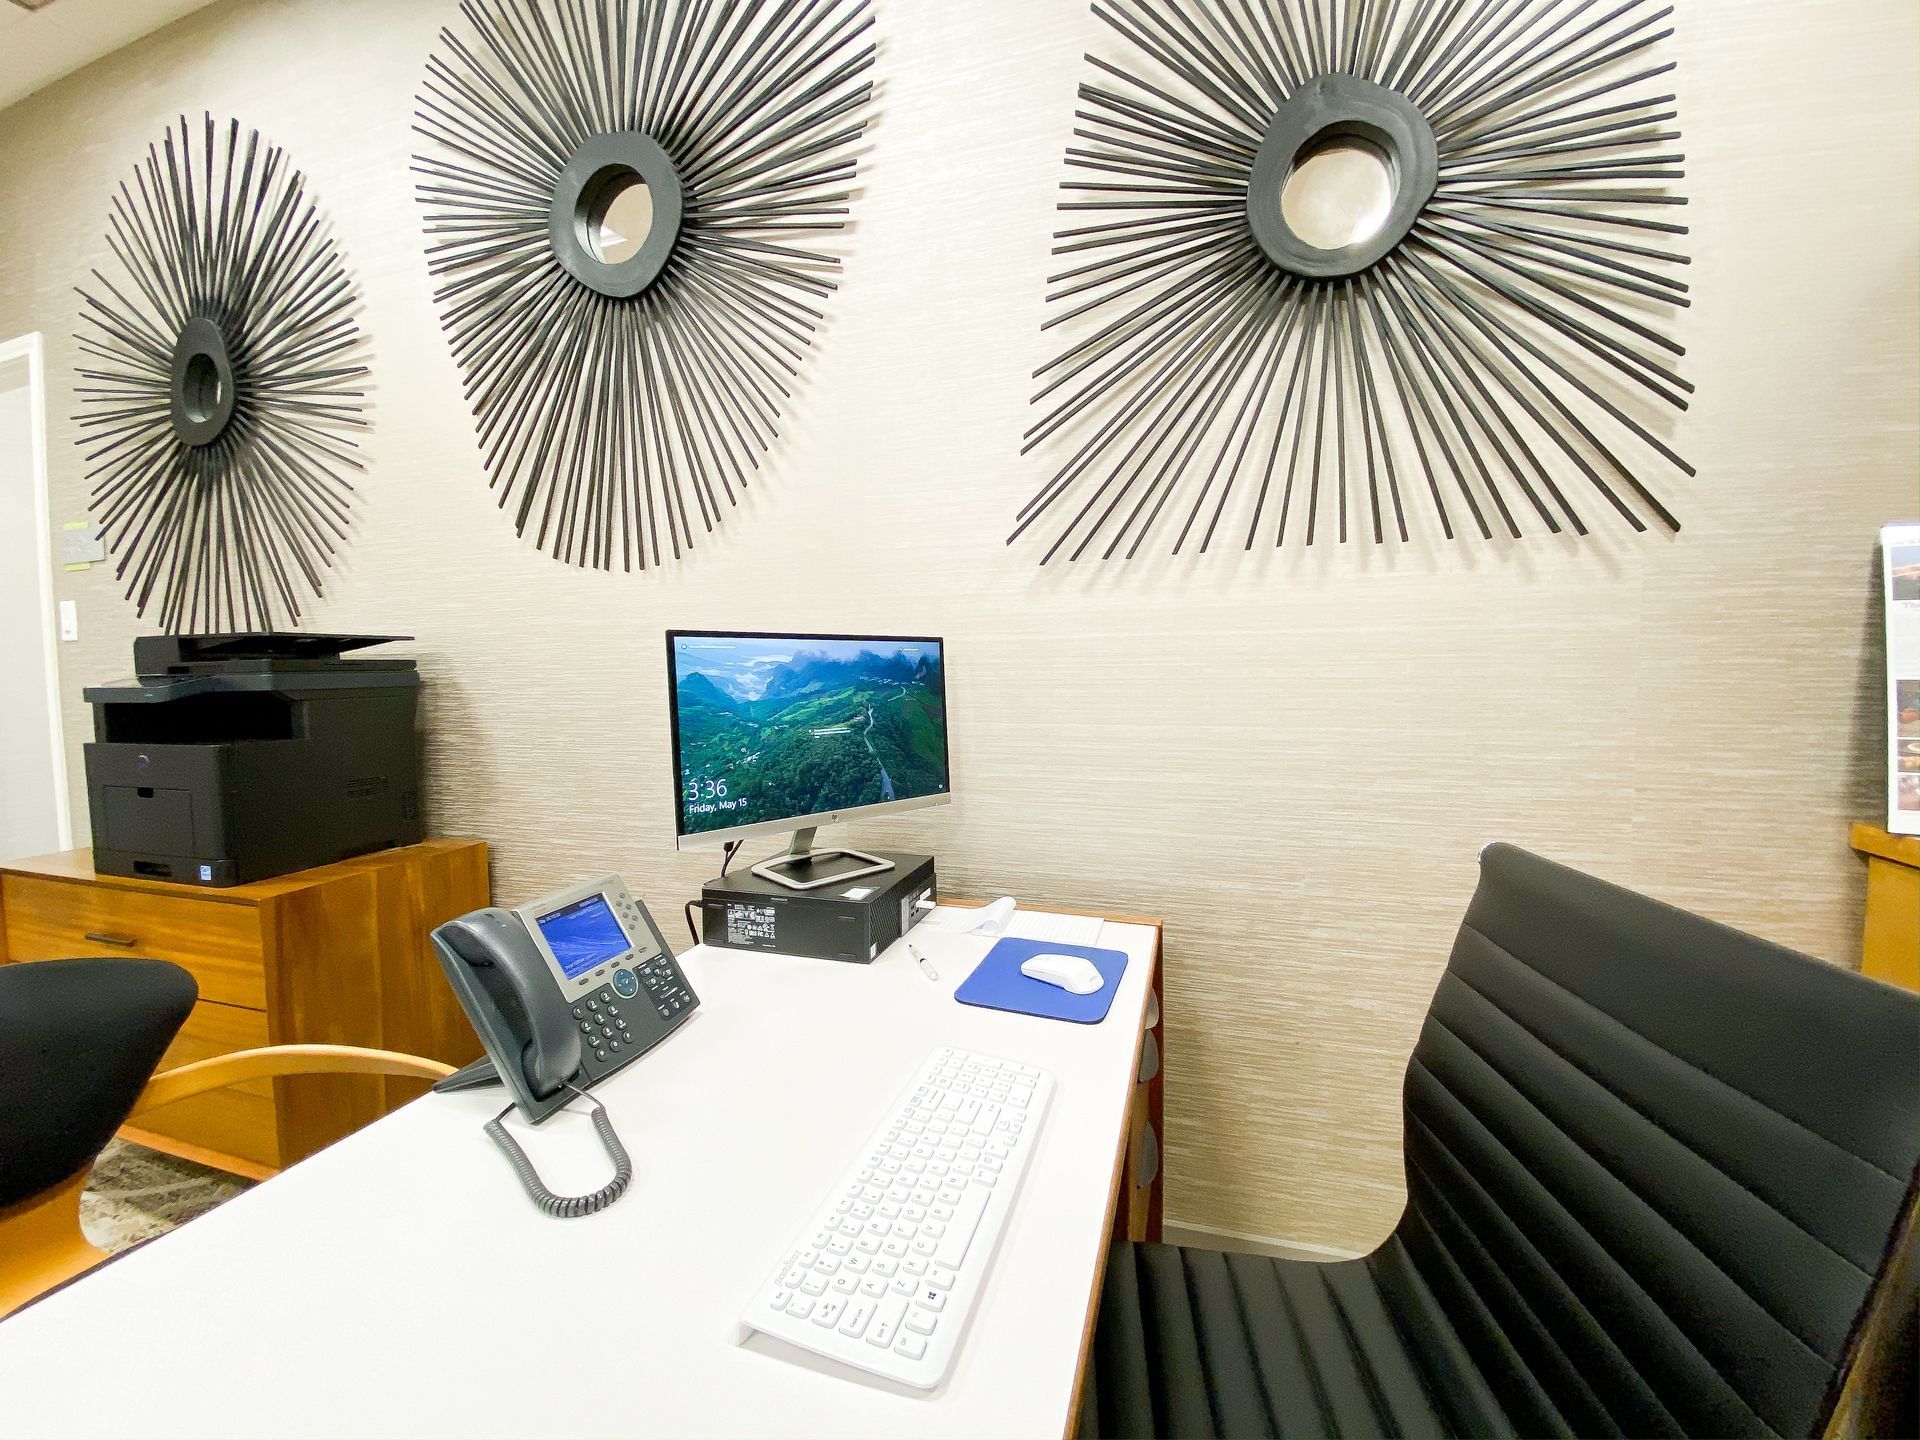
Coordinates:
<point>1900,564</point>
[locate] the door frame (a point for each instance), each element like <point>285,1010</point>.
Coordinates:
<point>31,348</point>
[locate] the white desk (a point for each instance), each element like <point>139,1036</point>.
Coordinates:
<point>400,1283</point>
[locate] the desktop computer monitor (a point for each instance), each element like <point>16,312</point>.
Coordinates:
<point>777,732</point>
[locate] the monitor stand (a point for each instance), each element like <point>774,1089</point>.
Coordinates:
<point>796,869</point>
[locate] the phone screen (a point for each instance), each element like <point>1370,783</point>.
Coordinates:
<point>583,935</point>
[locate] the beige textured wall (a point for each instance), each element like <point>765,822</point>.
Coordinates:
<point>1292,758</point>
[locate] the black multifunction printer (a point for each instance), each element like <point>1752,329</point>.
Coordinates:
<point>234,758</point>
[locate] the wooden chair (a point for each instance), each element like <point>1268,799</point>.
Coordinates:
<point>78,1042</point>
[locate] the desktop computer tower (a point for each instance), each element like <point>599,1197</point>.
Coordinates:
<point>852,922</point>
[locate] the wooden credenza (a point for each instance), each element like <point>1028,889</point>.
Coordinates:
<point>337,954</point>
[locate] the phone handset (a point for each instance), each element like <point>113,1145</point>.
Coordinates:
<point>510,973</point>
<point>532,1040</point>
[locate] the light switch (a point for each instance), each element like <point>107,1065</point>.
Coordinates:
<point>69,620</point>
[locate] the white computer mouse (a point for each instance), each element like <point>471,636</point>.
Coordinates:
<point>1073,973</point>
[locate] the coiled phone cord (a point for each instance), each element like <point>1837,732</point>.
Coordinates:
<point>568,1207</point>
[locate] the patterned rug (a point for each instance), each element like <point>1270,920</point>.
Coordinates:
<point>136,1193</point>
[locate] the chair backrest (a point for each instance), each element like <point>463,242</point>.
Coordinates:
<point>78,1040</point>
<point>1653,1164</point>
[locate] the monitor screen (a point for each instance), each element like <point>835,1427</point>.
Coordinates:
<point>768,728</point>
<point>583,935</point>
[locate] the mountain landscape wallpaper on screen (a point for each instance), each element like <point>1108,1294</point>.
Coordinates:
<point>776,728</point>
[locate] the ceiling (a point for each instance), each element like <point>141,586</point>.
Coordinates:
<point>37,47</point>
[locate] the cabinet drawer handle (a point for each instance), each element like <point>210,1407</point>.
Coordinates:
<point>102,938</point>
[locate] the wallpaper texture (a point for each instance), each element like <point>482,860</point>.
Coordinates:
<point>1293,757</point>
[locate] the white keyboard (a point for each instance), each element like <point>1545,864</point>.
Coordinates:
<point>884,1276</point>
<point>1056,929</point>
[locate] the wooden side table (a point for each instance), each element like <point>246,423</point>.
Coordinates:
<point>1890,949</point>
<point>337,954</point>
<point>1141,1209</point>
<point>1139,1174</point>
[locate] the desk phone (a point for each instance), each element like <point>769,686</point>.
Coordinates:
<point>566,990</point>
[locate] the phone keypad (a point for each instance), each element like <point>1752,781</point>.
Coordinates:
<point>606,1014</point>
<point>657,975</point>
<point>661,979</point>
<point>603,1028</point>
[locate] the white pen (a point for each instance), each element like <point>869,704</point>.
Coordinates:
<point>931,973</point>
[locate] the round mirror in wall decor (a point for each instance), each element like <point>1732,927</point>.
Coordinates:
<point>218,390</point>
<point>621,198</point>
<point>1357,268</point>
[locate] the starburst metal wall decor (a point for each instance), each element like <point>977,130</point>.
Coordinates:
<point>1477,339</point>
<point>627,373</point>
<point>217,395</point>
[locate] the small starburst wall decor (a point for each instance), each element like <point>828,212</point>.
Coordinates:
<point>219,392</point>
<point>621,201</point>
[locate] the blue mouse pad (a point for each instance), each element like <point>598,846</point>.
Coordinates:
<point>997,984</point>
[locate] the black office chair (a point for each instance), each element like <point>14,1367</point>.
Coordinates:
<point>78,1043</point>
<point>1653,1169</point>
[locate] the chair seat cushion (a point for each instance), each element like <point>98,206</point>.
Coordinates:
<point>1196,1342</point>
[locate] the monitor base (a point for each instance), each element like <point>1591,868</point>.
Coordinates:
<point>791,869</point>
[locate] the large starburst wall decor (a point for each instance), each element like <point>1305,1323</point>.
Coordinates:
<point>1343,261</point>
